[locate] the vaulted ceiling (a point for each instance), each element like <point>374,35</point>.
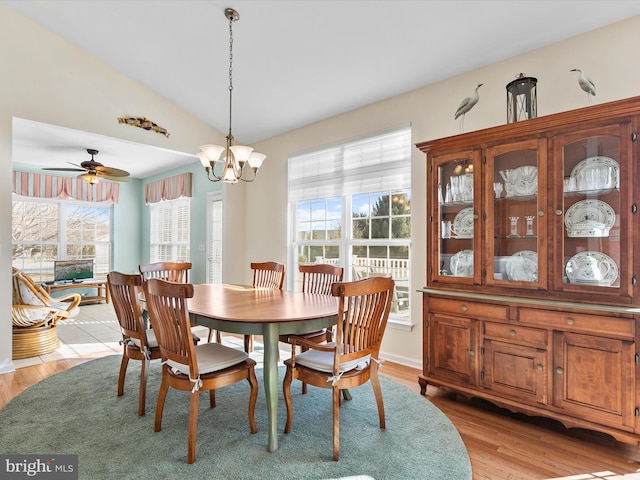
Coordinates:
<point>295,62</point>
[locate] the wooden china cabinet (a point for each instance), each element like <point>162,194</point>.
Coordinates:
<point>532,299</point>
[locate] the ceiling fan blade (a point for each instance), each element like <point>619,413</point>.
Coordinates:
<point>66,169</point>
<point>112,178</point>
<point>112,172</point>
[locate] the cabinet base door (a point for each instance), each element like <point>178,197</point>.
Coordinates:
<point>515,370</point>
<point>453,354</point>
<point>594,378</point>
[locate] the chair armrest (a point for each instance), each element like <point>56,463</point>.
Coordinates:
<point>73,298</point>
<point>310,344</point>
<point>27,315</point>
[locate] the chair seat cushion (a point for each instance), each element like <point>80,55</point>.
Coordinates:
<point>211,358</point>
<point>323,361</point>
<point>65,306</point>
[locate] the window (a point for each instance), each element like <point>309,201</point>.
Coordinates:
<point>47,230</point>
<point>170,231</point>
<point>351,206</point>
<point>214,237</point>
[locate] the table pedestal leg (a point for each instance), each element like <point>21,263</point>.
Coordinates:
<point>270,334</point>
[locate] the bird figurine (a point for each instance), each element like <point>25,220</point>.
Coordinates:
<point>585,84</point>
<point>466,105</point>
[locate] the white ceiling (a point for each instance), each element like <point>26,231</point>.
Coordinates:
<point>295,62</point>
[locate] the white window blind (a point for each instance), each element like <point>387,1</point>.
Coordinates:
<point>170,231</point>
<point>378,163</point>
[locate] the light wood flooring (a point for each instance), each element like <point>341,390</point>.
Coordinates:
<point>501,445</point>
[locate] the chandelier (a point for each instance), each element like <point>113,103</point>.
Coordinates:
<point>233,157</point>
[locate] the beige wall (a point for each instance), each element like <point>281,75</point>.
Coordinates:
<point>46,79</point>
<point>607,56</point>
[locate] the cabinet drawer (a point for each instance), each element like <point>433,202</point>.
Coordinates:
<point>516,334</point>
<point>597,324</point>
<point>469,309</point>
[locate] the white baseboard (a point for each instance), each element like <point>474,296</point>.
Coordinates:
<point>402,360</point>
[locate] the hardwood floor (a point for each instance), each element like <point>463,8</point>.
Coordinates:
<point>501,445</point>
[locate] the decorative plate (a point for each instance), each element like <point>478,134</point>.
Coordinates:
<point>522,266</point>
<point>461,264</point>
<point>589,218</point>
<point>463,223</point>
<point>522,181</point>
<point>592,268</point>
<point>587,175</point>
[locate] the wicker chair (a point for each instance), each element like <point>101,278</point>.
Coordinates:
<point>34,316</point>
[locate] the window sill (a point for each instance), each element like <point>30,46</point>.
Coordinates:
<point>401,324</point>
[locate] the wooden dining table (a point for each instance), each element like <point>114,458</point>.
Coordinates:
<point>254,311</point>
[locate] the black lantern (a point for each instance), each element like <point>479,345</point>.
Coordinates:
<point>521,99</point>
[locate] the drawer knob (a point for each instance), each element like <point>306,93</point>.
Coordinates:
<point>471,353</point>
<point>558,212</point>
<point>464,308</point>
<point>569,321</point>
<point>539,367</point>
<point>512,333</point>
<point>559,370</point>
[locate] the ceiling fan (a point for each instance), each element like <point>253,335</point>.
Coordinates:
<point>94,171</point>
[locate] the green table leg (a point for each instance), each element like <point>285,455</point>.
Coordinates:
<point>270,334</point>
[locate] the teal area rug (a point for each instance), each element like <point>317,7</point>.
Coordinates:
<point>77,412</point>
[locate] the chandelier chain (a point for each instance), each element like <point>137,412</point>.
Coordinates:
<point>231,20</point>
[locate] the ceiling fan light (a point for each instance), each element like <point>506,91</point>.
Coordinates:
<point>90,178</point>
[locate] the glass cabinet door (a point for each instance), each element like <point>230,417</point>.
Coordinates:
<point>595,251</point>
<point>458,186</point>
<point>515,199</point>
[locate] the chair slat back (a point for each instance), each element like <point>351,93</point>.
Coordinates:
<point>125,290</point>
<point>169,315</point>
<point>268,275</point>
<point>320,277</point>
<point>365,305</point>
<point>172,271</point>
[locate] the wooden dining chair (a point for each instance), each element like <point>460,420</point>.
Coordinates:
<point>190,367</point>
<point>139,342</point>
<point>318,279</point>
<point>363,311</point>
<point>173,272</point>
<point>265,275</point>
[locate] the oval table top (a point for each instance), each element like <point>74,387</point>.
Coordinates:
<point>239,303</point>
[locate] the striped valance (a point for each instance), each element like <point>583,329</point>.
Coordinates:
<point>41,185</point>
<point>169,188</point>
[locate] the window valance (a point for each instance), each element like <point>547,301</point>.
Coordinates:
<point>169,188</point>
<point>29,184</point>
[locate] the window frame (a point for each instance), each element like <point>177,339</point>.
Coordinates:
<point>346,243</point>
<point>44,272</point>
